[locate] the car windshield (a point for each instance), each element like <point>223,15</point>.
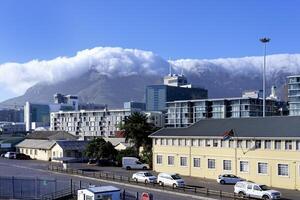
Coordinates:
<point>175,177</point>
<point>148,174</point>
<point>264,187</point>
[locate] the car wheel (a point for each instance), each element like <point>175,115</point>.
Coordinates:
<point>128,168</point>
<point>135,179</point>
<point>222,182</point>
<point>265,197</point>
<point>174,185</point>
<point>146,181</point>
<point>144,168</point>
<point>160,183</point>
<point>242,195</point>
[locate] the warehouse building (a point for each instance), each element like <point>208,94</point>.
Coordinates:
<point>264,150</point>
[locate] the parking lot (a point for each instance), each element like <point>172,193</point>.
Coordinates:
<point>206,183</point>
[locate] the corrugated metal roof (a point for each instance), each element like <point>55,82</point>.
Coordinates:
<point>36,144</point>
<point>286,126</point>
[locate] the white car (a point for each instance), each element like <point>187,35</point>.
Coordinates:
<point>249,189</point>
<point>173,180</point>
<point>10,155</point>
<point>145,177</point>
<point>229,179</point>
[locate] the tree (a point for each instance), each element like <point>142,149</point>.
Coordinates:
<point>99,149</point>
<point>137,130</point>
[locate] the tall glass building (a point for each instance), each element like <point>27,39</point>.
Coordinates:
<point>294,95</point>
<point>158,95</point>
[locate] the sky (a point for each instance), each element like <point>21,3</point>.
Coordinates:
<point>206,29</point>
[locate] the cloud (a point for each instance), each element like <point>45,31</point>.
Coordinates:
<point>18,77</point>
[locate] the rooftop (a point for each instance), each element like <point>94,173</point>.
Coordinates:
<point>277,127</point>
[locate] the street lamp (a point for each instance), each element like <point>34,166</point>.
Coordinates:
<point>264,41</point>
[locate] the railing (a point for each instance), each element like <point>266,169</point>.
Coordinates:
<point>63,194</point>
<point>187,189</point>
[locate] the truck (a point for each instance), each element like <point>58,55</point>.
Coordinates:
<point>133,163</point>
<point>249,189</point>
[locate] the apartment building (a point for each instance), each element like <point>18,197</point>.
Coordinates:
<point>294,95</point>
<point>186,112</point>
<point>89,123</point>
<point>264,150</point>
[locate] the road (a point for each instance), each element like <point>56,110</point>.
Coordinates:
<point>33,169</point>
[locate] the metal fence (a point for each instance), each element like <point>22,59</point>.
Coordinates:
<point>188,189</point>
<point>29,188</point>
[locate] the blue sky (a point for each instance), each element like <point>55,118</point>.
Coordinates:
<point>173,29</point>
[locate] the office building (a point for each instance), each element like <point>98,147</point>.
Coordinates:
<point>71,100</point>
<point>294,95</point>
<point>11,115</point>
<point>186,112</point>
<point>134,105</point>
<point>39,114</point>
<point>175,88</point>
<point>12,128</point>
<point>264,150</point>
<point>89,123</point>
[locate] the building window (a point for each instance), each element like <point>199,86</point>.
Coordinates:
<point>288,145</point>
<point>223,143</point>
<point>181,142</point>
<point>211,163</point>
<point>227,165</point>
<point>183,161</point>
<point>283,170</point>
<point>231,143</point>
<point>196,162</point>
<point>267,144</point>
<point>278,144</point>
<point>244,166</point>
<point>53,153</point>
<point>262,168</point>
<point>30,151</point>
<point>163,142</point>
<point>35,152</point>
<point>248,144</point>
<point>239,144</point>
<point>170,142</point>
<point>215,143</point>
<point>207,143</point>
<point>298,145</point>
<point>195,142</point>
<point>170,160</point>
<point>159,159</point>
<point>257,144</point>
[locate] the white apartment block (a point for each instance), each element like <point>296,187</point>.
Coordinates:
<point>89,123</point>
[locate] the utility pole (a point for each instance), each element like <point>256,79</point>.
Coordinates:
<point>264,41</point>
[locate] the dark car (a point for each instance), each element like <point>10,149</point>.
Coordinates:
<point>22,156</point>
<point>102,162</point>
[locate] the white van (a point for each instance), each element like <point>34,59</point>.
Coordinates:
<point>10,155</point>
<point>133,163</point>
<point>249,189</point>
<point>173,180</point>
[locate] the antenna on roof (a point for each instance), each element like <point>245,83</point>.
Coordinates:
<point>181,71</point>
<point>170,68</point>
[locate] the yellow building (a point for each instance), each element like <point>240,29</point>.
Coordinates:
<point>263,150</point>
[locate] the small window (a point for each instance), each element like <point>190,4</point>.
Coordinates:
<point>283,170</point>
<point>244,166</point>
<point>227,165</point>
<point>249,187</point>
<point>195,142</point>
<point>207,143</point>
<point>277,144</point>
<point>248,144</point>
<point>170,160</point>
<point>181,142</point>
<point>255,187</point>
<point>288,145</point>
<point>215,143</point>
<point>196,162</point>
<point>183,161</point>
<point>211,163</point>
<point>257,144</point>
<point>262,168</point>
<point>159,159</point>
<point>267,144</point>
<point>35,152</point>
<point>239,144</point>
<point>298,145</point>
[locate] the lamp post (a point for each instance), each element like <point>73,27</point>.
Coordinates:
<point>264,41</point>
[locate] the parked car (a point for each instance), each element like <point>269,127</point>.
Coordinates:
<point>229,179</point>
<point>145,177</point>
<point>102,162</point>
<point>173,180</point>
<point>250,189</point>
<point>133,163</point>
<point>10,155</point>
<point>22,156</point>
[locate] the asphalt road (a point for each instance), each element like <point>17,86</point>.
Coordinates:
<point>33,169</point>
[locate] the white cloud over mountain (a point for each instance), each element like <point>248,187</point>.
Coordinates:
<point>18,77</point>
